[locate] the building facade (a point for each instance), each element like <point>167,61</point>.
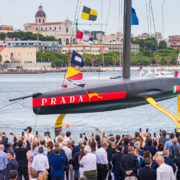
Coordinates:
<point>113,37</point>
<point>117,46</point>
<point>42,46</point>
<point>6,28</point>
<point>95,49</point>
<point>174,41</point>
<point>21,55</point>
<point>62,31</point>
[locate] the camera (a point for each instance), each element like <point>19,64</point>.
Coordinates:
<point>11,133</point>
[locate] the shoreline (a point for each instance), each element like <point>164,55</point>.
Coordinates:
<point>89,69</point>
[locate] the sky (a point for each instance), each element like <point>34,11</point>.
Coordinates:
<point>19,12</point>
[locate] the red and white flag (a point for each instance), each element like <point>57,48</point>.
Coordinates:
<point>83,36</point>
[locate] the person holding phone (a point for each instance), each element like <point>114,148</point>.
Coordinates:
<point>28,133</point>
<point>20,152</point>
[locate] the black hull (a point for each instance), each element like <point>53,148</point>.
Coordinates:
<point>133,94</point>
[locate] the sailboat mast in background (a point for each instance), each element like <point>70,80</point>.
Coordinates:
<point>127,38</point>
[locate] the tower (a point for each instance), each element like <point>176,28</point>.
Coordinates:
<point>40,16</point>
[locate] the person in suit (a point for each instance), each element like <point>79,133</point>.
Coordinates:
<point>147,173</point>
<point>12,164</point>
<point>116,159</point>
<point>129,164</point>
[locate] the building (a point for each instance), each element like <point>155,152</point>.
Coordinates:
<point>97,35</point>
<point>113,37</point>
<point>174,41</point>
<point>42,46</point>
<point>21,55</point>
<point>63,31</point>
<point>6,28</point>
<point>157,35</point>
<point>95,49</point>
<point>117,46</point>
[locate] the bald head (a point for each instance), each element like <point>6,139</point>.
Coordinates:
<point>1,147</point>
<point>160,160</point>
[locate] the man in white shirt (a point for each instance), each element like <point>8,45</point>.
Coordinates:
<point>164,171</point>
<point>102,161</point>
<point>88,162</point>
<point>40,162</point>
<point>141,72</point>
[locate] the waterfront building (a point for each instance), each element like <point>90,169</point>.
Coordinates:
<point>95,49</point>
<point>21,55</point>
<point>113,37</point>
<point>97,35</point>
<point>42,46</point>
<point>174,41</point>
<point>6,28</point>
<point>62,31</point>
<point>157,36</point>
<point>117,46</point>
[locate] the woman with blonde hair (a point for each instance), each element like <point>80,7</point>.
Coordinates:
<point>43,175</point>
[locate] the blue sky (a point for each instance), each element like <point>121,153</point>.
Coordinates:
<point>19,12</point>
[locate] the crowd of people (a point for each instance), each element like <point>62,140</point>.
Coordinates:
<point>92,157</point>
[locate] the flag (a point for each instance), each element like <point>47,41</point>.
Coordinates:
<point>93,94</point>
<point>73,74</point>
<point>83,36</point>
<point>176,74</point>
<point>134,18</point>
<point>89,14</point>
<point>76,59</point>
<point>77,84</point>
<point>176,89</point>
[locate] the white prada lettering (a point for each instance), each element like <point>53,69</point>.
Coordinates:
<point>44,100</point>
<point>63,101</point>
<point>72,99</point>
<point>53,101</point>
<point>80,99</point>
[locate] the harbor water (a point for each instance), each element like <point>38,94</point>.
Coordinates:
<point>15,116</point>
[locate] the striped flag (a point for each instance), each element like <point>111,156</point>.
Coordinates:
<point>176,89</point>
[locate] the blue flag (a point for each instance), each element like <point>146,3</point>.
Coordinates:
<point>76,59</point>
<point>134,18</point>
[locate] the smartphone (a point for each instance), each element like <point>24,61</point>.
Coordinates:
<point>36,133</point>
<point>154,134</point>
<point>103,134</point>
<point>84,133</point>
<point>160,130</point>
<point>147,130</point>
<point>140,130</point>
<point>123,136</point>
<point>111,135</point>
<point>92,134</point>
<point>25,129</point>
<point>45,133</point>
<point>96,129</point>
<point>80,135</point>
<point>23,133</point>
<point>3,133</point>
<point>175,130</point>
<point>11,133</point>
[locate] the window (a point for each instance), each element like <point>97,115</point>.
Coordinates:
<point>54,28</point>
<point>59,27</point>
<point>49,28</point>
<point>60,41</point>
<point>67,41</point>
<point>36,29</point>
<point>66,30</point>
<point>39,20</point>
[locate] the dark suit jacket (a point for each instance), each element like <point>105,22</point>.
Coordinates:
<point>147,173</point>
<point>12,165</point>
<point>129,162</point>
<point>116,160</point>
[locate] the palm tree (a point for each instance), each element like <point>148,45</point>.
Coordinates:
<point>168,60</point>
<point>158,59</point>
<point>93,58</point>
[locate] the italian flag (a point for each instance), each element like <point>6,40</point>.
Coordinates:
<point>176,89</point>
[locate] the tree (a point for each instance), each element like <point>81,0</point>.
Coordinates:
<point>168,60</point>
<point>93,58</point>
<point>157,59</point>
<point>162,45</point>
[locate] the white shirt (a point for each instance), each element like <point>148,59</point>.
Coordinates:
<point>31,136</point>
<point>165,172</point>
<point>40,163</point>
<point>89,162</point>
<point>141,73</point>
<point>67,138</point>
<point>68,152</point>
<point>101,156</point>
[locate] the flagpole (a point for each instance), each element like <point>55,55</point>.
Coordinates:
<point>127,38</point>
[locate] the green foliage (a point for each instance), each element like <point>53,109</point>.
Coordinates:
<point>162,45</point>
<point>20,35</point>
<point>0,58</point>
